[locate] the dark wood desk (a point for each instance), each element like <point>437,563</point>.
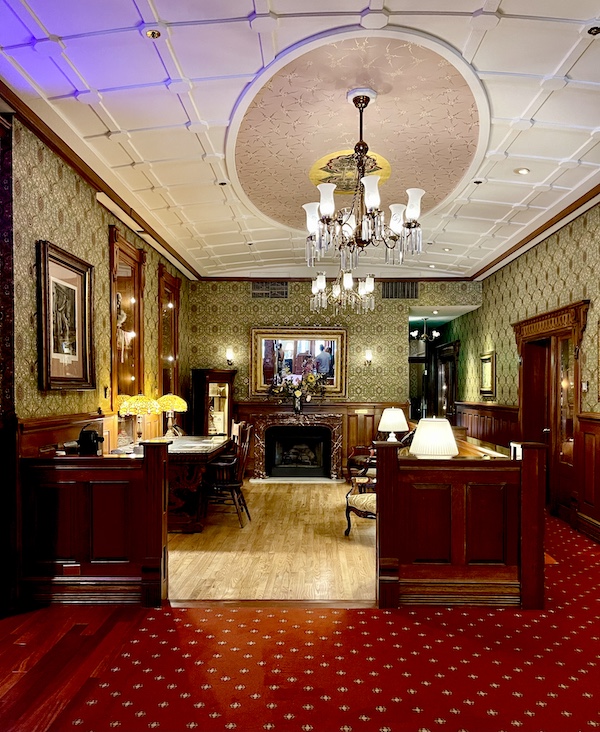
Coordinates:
<point>188,457</point>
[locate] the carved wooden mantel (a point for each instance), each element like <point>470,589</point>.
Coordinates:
<point>262,422</point>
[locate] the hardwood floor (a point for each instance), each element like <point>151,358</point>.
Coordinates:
<point>293,549</point>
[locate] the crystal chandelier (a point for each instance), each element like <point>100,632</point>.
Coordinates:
<point>341,294</point>
<point>424,336</point>
<point>350,230</point>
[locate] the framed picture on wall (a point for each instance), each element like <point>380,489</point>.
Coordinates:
<point>487,374</point>
<point>65,320</point>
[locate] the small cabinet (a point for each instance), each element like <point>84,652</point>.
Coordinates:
<point>212,401</point>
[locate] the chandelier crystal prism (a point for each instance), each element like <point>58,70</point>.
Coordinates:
<point>350,230</point>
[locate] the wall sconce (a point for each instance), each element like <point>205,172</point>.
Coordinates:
<point>229,356</point>
<point>368,357</point>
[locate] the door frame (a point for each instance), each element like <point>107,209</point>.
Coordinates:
<point>547,329</point>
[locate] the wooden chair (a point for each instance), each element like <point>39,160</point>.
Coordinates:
<point>224,479</point>
<point>361,499</point>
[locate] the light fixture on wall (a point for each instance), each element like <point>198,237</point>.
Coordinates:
<point>171,403</point>
<point>229,355</point>
<point>350,230</point>
<point>425,336</point>
<point>368,357</point>
<point>433,439</point>
<point>392,421</point>
<point>341,294</point>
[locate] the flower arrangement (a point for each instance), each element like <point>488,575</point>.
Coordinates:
<point>299,389</point>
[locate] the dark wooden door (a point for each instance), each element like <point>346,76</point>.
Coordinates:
<point>550,396</point>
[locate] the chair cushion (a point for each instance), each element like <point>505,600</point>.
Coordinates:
<point>363,501</point>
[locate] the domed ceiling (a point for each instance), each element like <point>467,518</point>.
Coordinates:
<point>424,123</point>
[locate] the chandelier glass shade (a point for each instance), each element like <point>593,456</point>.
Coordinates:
<point>350,230</point>
<point>342,294</point>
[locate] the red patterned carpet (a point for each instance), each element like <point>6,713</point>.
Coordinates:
<point>333,670</point>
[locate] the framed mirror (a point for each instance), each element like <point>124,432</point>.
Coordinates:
<point>168,334</point>
<point>127,287</point>
<point>283,352</point>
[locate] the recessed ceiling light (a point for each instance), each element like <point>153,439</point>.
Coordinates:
<point>522,171</point>
<point>594,30</point>
<point>435,312</point>
<point>153,34</point>
<point>432,266</point>
<point>447,249</point>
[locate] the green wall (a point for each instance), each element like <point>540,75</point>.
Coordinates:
<point>222,314</point>
<point>560,270</point>
<point>51,202</point>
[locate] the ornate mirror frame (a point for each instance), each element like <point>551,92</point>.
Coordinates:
<point>262,354</point>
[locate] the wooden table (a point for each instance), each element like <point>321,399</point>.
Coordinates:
<point>188,457</point>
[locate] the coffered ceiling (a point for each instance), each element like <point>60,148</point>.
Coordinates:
<point>207,121</point>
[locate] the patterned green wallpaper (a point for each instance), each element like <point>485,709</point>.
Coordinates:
<point>560,270</point>
<point>222,314</point>
<point>51,202</point>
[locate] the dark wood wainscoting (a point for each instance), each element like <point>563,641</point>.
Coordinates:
<point>94,529</point>
<point>359,420</point>
<point>586,490</point>
<point>493,425</point>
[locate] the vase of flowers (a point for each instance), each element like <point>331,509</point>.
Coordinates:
<point>299,389</point>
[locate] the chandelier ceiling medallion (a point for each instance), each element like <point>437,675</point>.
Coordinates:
<point>350,230</point>
<point>424,336</point>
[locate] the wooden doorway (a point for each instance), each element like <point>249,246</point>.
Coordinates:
<point>550,395</point>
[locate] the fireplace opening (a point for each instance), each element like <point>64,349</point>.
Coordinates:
<point>297,451</point>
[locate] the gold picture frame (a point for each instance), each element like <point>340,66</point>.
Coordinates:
<point>301,345</point>
<point>487,374</point>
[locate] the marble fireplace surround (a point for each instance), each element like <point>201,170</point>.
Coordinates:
<point>262,422</point>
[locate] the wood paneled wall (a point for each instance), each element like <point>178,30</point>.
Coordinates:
<point>495,425</point>
<point>586,489</point>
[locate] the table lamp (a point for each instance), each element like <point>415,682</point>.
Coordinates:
<point>137,406</point>
<point>171,403</point>
<point>392,421</point>
<point>433,439</point>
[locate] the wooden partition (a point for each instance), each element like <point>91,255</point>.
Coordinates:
<point>94,529</point>
<point>460,531</point>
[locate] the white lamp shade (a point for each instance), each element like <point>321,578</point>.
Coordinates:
<point>434,439</point>
<point>369,284</point>
<point>336,289</point>
<point>327,204</point>
<point>315,287</point>
<point>393,420</point>
<point>397,217</point>
<point>372,199</point>
<point>347,281</point>
<point>321,282</point>
<point>229,353</point>
<point>413,208</point>
<point>369,356</point>
<point>312,217</point>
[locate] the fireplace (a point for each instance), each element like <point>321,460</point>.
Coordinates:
<point>298,452</point>
<point>325,428</point>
